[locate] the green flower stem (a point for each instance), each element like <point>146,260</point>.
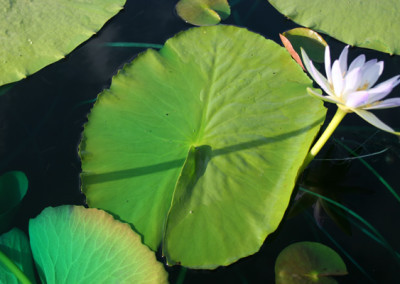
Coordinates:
<point>14,269</point>
<point>337,118</point>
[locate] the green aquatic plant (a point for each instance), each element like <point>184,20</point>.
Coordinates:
<point>199,145</point>
<point>73,244</point>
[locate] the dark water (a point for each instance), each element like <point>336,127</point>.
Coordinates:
<point>42,117</point>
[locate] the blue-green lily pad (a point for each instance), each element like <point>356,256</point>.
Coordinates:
<point>73,244</point>
<point>15,245</point>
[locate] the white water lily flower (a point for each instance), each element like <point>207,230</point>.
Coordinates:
<point>351,88</point>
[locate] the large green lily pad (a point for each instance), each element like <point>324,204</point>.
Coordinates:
<point>364,23</point>
<point>199,144</point>
<point>36,33</point>
<point>73,244</point>
<point>15,245</point>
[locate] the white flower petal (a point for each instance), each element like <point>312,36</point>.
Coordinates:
<point>315,74</point>
<point>321,80</point>
<point>389,103</point>
<point>358,62</point>
<point>337,79</point>
<point>343,60</point>
<point>370,74</point>
<point>351,82</point>
<point>357,99</point>
<point>381,70</point>
<point>383,89</point>
<point>328,64</point>
<point>372,119</point>
<point>306,59</point>
<point>328,99</point>
<point>370,63</point>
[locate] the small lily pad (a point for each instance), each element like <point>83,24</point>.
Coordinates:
<point>15,245</point>
<point>73,244</point>
<point>308,262</point>
<point>203,12</point>
<point>13,188</point>
<point>309,40</point>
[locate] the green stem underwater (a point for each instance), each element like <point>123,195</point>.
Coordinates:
<point>14,269</point>
<point>337,118</point>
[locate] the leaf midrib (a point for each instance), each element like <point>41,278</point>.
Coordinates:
<point>207,97</point>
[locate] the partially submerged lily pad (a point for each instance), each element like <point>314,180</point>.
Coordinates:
<point>199,144</point>
<point>73,244</point>
<point>364,23</point>
<point>308,262</point>
<point>13,188</point>
<point>203,12</point>
<point>36,33</point>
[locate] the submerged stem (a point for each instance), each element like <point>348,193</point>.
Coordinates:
<point>337,118</point>
<point>7,262</point>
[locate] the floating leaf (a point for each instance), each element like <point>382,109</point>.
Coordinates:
<point>15,245</point>
<point>364,23</point>
<point>203,139</point>
<point>36,33</point>
<point>72,244</point>
<point>13,187</point>
<point>307,39</point>
<point>203,12</point>
<point>308,262</point>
